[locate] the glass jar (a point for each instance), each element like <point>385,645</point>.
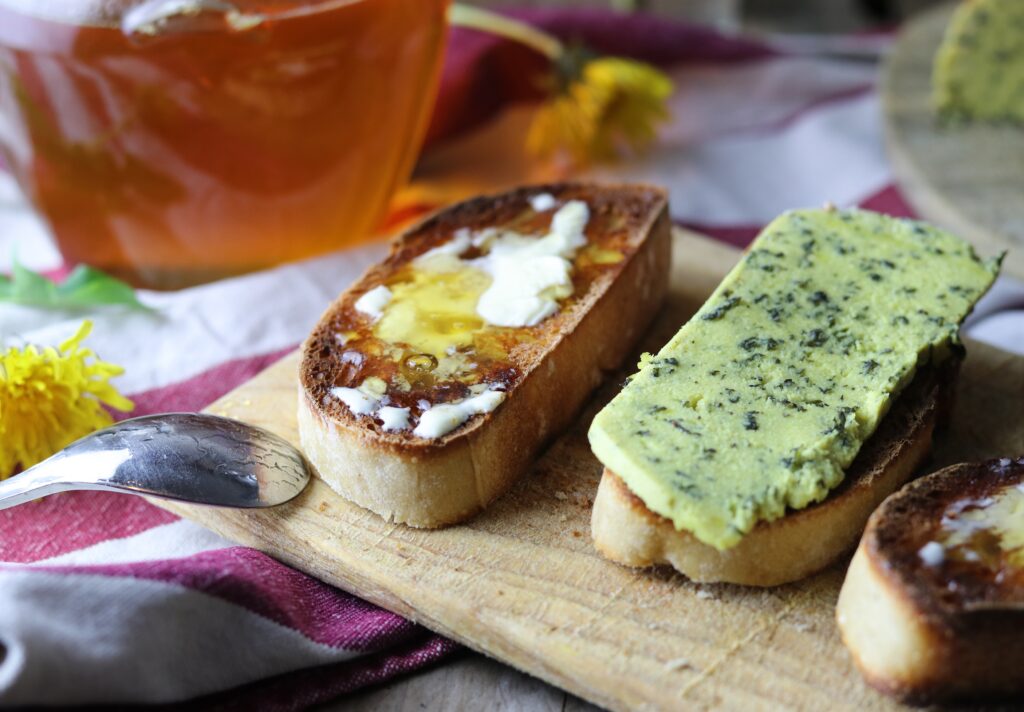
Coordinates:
<point>173,142</point>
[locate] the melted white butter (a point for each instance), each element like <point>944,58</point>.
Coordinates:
<point>461,241</point>
<point>357,401</point>
<point>932,554</point>
<point>439,420</point>
<point>395,419</point>
<point>435,421</point>
<point>543,202</point>
<point>529,275</point>
<point>373,302</point>
<point>364,400</point>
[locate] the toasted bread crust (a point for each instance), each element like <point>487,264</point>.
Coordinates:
<point>801,542</point>
<point>432,483</point>
<point>950,634</point>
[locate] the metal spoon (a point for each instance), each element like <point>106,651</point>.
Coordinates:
<point>191,457</point>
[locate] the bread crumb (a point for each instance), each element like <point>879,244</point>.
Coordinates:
<point>677,664</point>
<point>704,594</point>
<point>561,496</point>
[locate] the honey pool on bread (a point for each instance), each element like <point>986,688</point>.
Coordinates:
<point>975,548</point>
<point>441,337</point>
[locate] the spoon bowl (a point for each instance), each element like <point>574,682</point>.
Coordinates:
<point>192,457</point>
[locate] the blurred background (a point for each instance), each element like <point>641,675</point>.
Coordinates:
<point>758,15</point>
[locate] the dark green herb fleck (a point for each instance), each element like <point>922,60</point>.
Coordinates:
<point>721,310</point>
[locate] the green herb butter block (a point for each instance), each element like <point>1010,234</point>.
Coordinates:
<point>979,68</point>
<point>767,394</point>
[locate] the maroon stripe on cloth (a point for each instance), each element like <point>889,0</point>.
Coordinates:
<point>890,201</point>
<point>647,37</point>
<point>482,73</point>
<point>87,518</point>
<point>251,579</point>
<point>305,688</point>
<point>735,235</point>
<point>200,390</point>
<point>70,521</point>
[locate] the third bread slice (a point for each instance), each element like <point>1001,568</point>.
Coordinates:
<point>932,608</point>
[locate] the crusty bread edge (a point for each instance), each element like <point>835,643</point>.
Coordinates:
<point>904,641</point>
<point>444,485</point>
<point>870,611</point>
<point>774,553</point>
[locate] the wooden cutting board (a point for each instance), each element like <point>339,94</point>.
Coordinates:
<point>968,179</point>
<point>522,583</point>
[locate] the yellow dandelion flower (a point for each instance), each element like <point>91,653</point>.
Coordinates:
<point>50,398</point>
<point>615,104</point>
<point>598,106</point>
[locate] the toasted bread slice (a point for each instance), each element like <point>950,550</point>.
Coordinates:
<point>801,542</point>
<point>932,608</point>
<point>546,371</point>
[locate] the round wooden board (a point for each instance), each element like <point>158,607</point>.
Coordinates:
<point>967,179</point>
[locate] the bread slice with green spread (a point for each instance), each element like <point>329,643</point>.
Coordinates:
<point>430,385</point>
<point>932,609</point>
<point>753,447</point>
<point>979,67</point>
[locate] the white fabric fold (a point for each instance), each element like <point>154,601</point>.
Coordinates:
<point>79,637</point>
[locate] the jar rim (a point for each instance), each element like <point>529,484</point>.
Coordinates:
<point>59,12</point>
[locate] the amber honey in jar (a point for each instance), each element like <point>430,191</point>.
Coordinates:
<point>176,141</point>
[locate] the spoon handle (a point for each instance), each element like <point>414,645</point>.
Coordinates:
<point>192,457</point>
<point>33,483</point>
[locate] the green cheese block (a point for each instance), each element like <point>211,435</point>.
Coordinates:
<point>979,68</point>
<point>762,400</point>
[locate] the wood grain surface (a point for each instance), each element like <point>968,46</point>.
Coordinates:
<point>522,583</point>
<point>967,178</point>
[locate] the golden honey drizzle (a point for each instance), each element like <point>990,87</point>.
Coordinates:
<point>987,530</point>
<point>430,340</point>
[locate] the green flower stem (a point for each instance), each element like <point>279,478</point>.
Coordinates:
<point>491,22</point>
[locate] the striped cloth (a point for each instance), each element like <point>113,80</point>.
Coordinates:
<point>108,599</point>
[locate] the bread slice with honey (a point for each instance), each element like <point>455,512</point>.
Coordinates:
<point>932,609</point>
<point>803,541</point>
<point>435,380</point>
<point>753,446</point>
